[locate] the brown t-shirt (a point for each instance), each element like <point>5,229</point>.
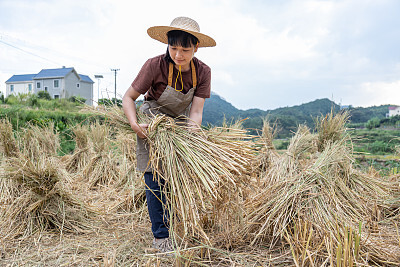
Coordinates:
<point>153,78</point>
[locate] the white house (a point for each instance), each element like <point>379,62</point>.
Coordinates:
<point>19,84</point>
<point>393,110</point>
<point>59,83</point>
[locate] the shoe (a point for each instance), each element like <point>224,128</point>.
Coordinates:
<point>163,245</point>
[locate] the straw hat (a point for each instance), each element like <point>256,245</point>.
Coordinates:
<point>183,24</point>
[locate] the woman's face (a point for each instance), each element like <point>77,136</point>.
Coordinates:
<point>182,55</point>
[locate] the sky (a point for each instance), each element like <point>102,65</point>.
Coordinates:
<point>269,53</point>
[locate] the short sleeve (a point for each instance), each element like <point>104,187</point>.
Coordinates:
<point>203,89</point>
<point>145,78</point>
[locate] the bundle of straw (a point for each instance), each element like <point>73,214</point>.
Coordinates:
<point>42,202</point>
<point>126,144</point>
<point>82,152</point>
<point>102,167</point>
<point>323,188</point>
<point>8,143</point>
<point>36,140</point>
<point>194,165</point>
<point>267,152</point>
<point>331,128</point>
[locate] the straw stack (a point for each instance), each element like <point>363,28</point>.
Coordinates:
<point>8,144</point>
<point>102,168</point>
<point>42,202</point>
<point>82,152</point>
<point>315,182</point>
<point>38,140</point>
<point>195,167</point>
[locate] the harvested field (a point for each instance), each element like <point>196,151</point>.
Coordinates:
<point>234,200</point>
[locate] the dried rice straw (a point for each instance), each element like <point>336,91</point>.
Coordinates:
<point>42,202</point>
<point>194,165</point>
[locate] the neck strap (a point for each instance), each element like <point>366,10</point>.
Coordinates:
<point>171,71</point>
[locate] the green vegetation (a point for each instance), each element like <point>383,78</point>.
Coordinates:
<point>216,109</point>
<point>288,118</point>
<point>110,102</point>
<point>375,141</point>
<point>44,95</point>
<point>38,110</point>
<point>372,132</point>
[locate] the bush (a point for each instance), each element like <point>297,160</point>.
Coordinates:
<point>33,101</point>
<point>373,123</point>
<point>77,99</point>
<point>110,102</point>
<point>11,100</point>
<point>44,95</point>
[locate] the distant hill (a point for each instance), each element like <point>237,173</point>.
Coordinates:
<point>288,118</point>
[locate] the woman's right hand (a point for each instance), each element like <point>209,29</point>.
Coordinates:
<point>141,130</point>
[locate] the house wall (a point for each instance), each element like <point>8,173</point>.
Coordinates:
<point>87,89</point>
<point>393,112</point>
<point>19,88</point>
<point>49,83</point>
<point>84,90</point>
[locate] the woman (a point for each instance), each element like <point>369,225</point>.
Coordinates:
<point>175,84</point>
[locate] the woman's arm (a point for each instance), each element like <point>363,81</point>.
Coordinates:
<point>129,107</point>
<point>196,112</point>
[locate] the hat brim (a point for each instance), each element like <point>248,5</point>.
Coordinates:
<point>159,33</point>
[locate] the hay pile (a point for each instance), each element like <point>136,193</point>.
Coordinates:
<point>34,191</point>
<point>39,140</point>
<point>102,168</point>
<point>43,202</point>
<point>233,199</point>
<point>82,152</point>
<point>8,144</point>
<point>200,170</point>
<point>315,183</point>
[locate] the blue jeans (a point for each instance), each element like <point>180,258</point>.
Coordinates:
<point>158,211</point>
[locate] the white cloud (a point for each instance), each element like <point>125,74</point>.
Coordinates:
<point>377,93</point>
<point>279,52</point>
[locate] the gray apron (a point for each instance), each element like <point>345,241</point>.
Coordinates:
<point>172,103</point>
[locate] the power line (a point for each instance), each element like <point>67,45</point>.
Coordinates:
<point>30,53</point>
<point>47,50</point>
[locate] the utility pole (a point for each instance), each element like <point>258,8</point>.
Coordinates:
<point>115,90</point>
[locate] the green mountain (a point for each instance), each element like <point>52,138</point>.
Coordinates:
<point>217,109</point>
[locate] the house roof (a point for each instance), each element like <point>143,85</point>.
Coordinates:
<point>86,78</point>
<point>21,78</point>
<point>48,74</point>
<point>53,73</point>
<point>393,107</point>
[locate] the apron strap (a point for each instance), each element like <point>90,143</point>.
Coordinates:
<point>171,71</point>
<point>194,78</point>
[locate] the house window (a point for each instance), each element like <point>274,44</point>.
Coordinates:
<point>45,88</point>
<point>77,85</point>
<point>38,85</point>
<point>12,87</point>
<point>56,96</point>
<point>29,87</point>
<point>56,83</point>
